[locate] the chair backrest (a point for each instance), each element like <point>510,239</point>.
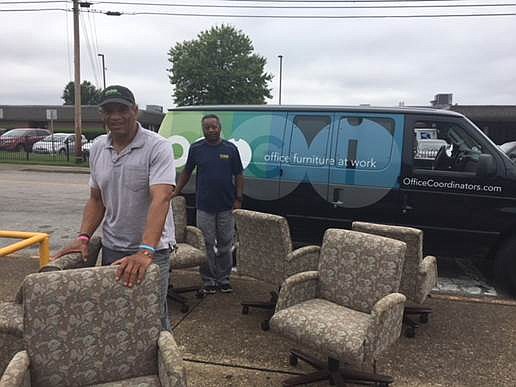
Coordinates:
<point>178,204</point>
<point>413,237</point>
<point>357,269</point>
<point>82,327</point>
<point>263,243</point>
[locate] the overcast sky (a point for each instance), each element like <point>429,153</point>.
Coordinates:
<point>337,62</point>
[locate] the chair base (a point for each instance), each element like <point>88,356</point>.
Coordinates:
<point>175,295</point>
<point>423,314</point>
<point>332,372</point>
<point>269,306</point>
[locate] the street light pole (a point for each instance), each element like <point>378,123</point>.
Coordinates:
<point>103,70</point>
<point>280,74</point>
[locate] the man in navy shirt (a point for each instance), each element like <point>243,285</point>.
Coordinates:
<point>220,185</point>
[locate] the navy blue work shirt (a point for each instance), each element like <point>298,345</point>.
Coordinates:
<point>216,167</point>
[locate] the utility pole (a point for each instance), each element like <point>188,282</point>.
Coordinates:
<point>103,70</point>
<point>77,82</point>
<point>280,74</point>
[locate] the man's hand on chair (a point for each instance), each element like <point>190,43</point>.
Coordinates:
<point>131,269</point>
<point>76,246</point>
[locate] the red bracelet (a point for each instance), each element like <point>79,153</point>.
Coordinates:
<point>83,237</point>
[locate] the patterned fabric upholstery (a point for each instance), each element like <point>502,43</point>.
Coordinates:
<point>419,275</point>
<point>170,363</point>
<point>75,261</point>
<point>11,318</point>
<point>186,256</point>
<point>17,372</point>
<point>358,269</point>
<point>191,249</point>
<point>349,309</point>
<point>141,381</point>
<point>265,248</point>
<point>178,204</point>
<point>95,329</point>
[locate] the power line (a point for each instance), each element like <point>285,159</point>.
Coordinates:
<point>303,16</point>
<point>33,2</point>
<point>35,10</point>
<point>336,1</point>
<point>311,6</point>
<point>328,17</point>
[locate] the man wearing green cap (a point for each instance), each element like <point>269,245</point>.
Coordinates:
<point>131,183</point>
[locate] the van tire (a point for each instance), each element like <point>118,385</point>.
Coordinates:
<point>505,266</point>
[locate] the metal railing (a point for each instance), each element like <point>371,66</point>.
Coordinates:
<point>30,150</point>
<point>29,239</point>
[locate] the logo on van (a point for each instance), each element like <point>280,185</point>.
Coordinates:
<point>245,151</point>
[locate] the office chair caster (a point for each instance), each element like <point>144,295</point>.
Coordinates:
<point>265,325</point>
<point>292,359</point>
<point>423,319</point>
<point>245,309</point>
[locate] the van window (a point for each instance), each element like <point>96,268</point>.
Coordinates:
<point>311,125</point>
<point>444,146</point>
<point>364,142</point>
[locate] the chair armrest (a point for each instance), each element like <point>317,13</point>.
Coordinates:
<point>11,319</point>
<point>303,259</point>
<point>75,261</point>
<point>17,373</point>
<point>385,328</point>
<point>194,237</point>
<point>426,278</point>
<point>298,288</point>
<point>170,362</point>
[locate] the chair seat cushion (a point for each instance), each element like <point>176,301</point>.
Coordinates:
<point>140,381</point>
<point>186,256</point>
<point>328,328</point>
<point>11,318</point>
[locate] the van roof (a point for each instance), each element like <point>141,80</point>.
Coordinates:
<point>317,108</point>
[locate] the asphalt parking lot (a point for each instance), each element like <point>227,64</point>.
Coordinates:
<point>34,199</point>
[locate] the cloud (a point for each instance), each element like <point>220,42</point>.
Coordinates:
<point>325,61</point>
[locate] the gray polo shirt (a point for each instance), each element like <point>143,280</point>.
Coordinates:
<point>124,179</point>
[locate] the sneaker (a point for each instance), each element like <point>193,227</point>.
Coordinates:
<point>210,289</point>
<point>226,288</point>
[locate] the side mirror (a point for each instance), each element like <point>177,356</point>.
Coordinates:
<point>486,166</point>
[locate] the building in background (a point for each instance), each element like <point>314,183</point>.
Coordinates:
<point>496,121</point>
<point>36,116</point>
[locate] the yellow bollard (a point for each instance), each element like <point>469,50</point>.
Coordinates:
<point>29,239</point>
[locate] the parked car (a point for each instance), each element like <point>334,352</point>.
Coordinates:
<point>22,139</point>
<point>3,130</point>
<point>57,143</point>
<point>86,147</point>
<point>509,148</point>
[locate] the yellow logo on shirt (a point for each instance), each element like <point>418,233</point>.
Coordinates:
<point>224,156</point>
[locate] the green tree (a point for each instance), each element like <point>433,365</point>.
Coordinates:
<point>90,95</point>
<point>219,67</point>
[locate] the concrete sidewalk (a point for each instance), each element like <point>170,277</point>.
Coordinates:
<point>464,344</point>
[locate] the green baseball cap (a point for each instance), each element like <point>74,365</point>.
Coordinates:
<point>117,94</point>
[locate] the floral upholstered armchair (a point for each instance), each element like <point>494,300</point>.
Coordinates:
<point>265,253</point>
<point>83,328</point>
<point>348,311</point>
<point>11,313</point>
<point>419,274</point>
<point>190,250</point>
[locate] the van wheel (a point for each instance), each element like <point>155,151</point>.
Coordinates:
<point>505,266</point>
